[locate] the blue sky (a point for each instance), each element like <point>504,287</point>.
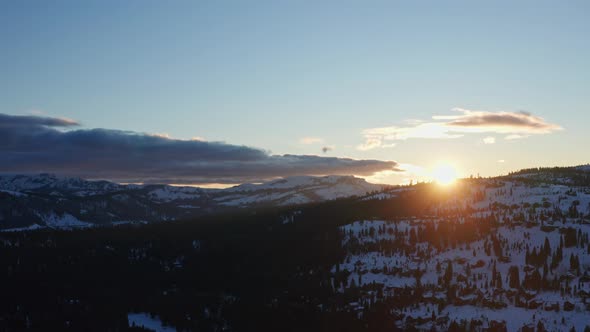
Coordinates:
<point>270,74</point>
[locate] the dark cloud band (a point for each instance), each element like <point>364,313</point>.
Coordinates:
<point>7,121</point>
<point>34,144</point>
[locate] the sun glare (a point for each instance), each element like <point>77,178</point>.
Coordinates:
<point>444,174</point>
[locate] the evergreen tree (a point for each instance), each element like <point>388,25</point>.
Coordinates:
<point>448,274</point>
<point>513,277</point>
<point>547,247</point>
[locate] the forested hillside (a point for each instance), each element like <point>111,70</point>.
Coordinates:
<point>485,254</point>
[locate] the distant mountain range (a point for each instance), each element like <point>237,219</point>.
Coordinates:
<point>47,200</point>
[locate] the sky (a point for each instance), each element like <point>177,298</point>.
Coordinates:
<point>259,89</point>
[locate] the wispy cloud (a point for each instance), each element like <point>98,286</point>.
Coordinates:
<point>513,124</point>
<point>45,144</point>
<point>499,122</point>
<point>37,112</point>
<point>373,142</point>
<point>311,140</point>
<point>515,136</point>
<point>489,140</point>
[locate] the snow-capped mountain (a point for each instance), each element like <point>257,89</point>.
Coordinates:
<point>56,185</point>
<point>56,201</point>
<point>299,190</point>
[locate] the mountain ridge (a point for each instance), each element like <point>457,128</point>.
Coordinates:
<point>49,200</point>
<point>45,199</point>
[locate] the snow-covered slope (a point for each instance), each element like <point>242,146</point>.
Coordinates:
<point>56,201</point>
<point>56,185</point>
<point>170,193</point>
<point>502,254</point>
<point>298,190</point>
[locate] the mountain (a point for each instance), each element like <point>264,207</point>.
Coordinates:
<point>56,185</point>
<point>47,200</point>
<point>510,253</point>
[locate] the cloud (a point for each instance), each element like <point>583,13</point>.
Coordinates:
<point>501,122</point>
<point>162,135</point>
<point>310,140</point>
<point>13,121</point>
<point>489,140</point>
<point>422,130</point>
<point>501,161</point>
<point>514,124</point>
<point>31,144</point>
<point>36,112</point>
<point>372,142</point>
<point>515,136</point>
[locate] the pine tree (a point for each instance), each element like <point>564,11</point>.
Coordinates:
<point>573,262</point>
<point>493,284</point>
<point>547,247</point>
<point>513,277</point>
<point>448,274</point>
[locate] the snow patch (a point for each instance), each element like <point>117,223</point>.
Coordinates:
<point>145,320</point>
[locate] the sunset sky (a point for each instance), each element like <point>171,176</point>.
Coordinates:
<point>234,91</point>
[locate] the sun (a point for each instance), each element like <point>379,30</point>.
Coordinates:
<point>444,173</point>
